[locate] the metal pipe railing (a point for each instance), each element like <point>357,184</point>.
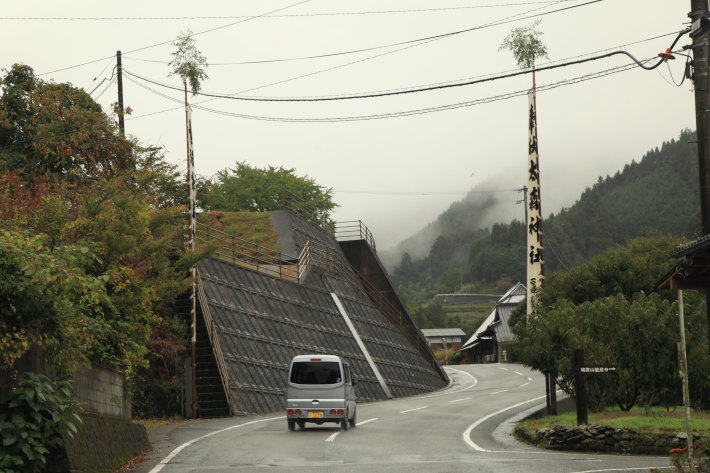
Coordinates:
<point>243,252</point>
<point>216,348</point>
<point>354,230</point>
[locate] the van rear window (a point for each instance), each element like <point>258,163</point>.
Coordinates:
<point>316,372</point>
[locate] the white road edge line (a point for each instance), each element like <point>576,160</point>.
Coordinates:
<point>619,469</point>
<point>498,392</point>
<point>459,400</point>
<point>180,448</point>
<point>368,420</point>
<point>415,409</point>
<point>467,432</point>
<point>332,437</point>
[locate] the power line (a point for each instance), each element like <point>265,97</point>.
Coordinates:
<point>294,15</point>
<point>343,65</point>
<point>105,88</point>
<point>327,55</point>
<point>335,67</point>
<point>113,71</point>
<point>108,63</point>
<point>354,51</point>
<point>170,41</point>
<point>498,22</point>
<point>422,111</point>
<point>423,193</point>
<point>403,91</point>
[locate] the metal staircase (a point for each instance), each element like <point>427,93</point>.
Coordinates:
<point>211,397</point>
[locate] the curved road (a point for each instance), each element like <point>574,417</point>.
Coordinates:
<point>463,428</point>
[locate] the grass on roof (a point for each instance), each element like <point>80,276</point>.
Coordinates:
<point>254,227</point>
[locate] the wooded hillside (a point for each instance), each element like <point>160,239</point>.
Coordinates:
<point>656,194</point>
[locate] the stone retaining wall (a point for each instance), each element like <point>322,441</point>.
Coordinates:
<point>600,438</point>
<point>102,445</point>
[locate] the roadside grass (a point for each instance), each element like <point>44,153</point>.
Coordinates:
<point>653,420</point>
<point>151,424</point>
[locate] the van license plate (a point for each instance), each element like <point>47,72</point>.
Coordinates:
<point>315,414</point>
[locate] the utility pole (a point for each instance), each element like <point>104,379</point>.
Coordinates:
<point>700,33</point>
<point>524,201</point>
<point>684,375</point>
<point>119,76</point>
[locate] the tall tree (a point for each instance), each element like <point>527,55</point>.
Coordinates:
<point>525,44</point>
<point>606,308</point>
<point>251,189</point>
<point>57,130</point>
<point>188,63</point>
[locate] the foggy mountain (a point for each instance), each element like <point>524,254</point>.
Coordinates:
<point>478,210</point>
<point>468,248</point>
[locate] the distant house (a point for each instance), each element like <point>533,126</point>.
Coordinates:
<point>437,337</point>
<point>488,343</point>
<point>460,299</point>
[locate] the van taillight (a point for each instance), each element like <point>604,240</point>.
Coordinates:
<point>298,412</point>
<point>341,412</point>
<point>290,412</point>
<point>332,412</point>
<point>316,359</point>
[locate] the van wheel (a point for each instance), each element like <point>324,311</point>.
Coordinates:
<point>344,424</point>
<point>291,425</point>
<point>352,421</point>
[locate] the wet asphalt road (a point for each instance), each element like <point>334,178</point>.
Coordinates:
<point>464,428</point>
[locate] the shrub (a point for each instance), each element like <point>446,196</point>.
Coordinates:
<point>699,463</point>
<point>32,421</point>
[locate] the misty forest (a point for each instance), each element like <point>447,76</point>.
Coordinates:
<point>656,195</point>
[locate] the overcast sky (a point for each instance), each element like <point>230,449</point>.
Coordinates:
<point>395,174</point>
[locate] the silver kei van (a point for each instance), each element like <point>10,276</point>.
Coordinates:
<point>320,389</point>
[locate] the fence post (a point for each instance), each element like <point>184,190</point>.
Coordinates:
<point>233,248</point>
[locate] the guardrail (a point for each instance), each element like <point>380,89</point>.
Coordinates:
<point>216,348</point>
<point>354,230</point>
<point>316,216</point>
<point>251,255</point>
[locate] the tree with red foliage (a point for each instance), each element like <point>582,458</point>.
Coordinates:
<point>57,130</point>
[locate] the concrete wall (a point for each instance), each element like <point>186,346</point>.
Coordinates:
<point>102,445</point>
<point>106,437</point>
<point>102,392</point>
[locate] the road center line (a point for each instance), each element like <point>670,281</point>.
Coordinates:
<point>415,409</point>
<point>459,400</point>
<point>504,369</point>
<point>529,378</point>
<point>180,448</point>
<point>332,437</point>
<point>518,373</point>
<point>498,392</point>
<point>523,385</point>
<point>368,420</point>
